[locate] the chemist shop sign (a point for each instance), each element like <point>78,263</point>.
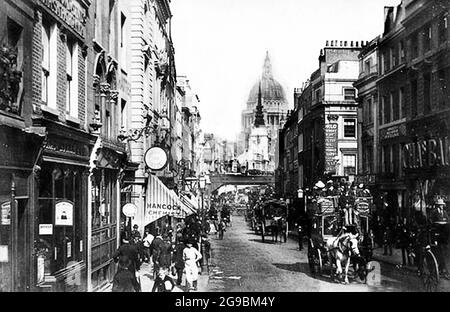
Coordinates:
<point>155,211</point>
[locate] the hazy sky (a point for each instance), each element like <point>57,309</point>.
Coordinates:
<point>221,44</point>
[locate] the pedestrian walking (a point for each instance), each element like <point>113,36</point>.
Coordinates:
<point>147,241</point>
<point>127,254</point>
<point>124,279</point>
<point>178,258</point>
<point>300,235</point>
<point>163,282</point>
<point>206,252</point>
<point>191,256</point>
<point>222,229</point>
<point>155,250</point>
<point>387,239</point>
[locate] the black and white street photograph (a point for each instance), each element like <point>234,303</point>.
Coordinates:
<point>226,147</point>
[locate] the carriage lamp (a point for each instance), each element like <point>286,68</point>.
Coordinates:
<point>300,193</point>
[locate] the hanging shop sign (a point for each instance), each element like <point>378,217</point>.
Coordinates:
<point>70,12</point>
<point>331,138</point>
<point>156,158</point>
<point>129,210</point>
<point>64,213</point>
<point>427,153</point>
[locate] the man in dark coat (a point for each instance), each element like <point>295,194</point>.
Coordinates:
<point>130,251</point>
<point>124,280</point>
<point>178,258</point>
<point>155,250</point>
<point>128,258</point>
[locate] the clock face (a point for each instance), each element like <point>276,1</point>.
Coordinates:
<point>156,158</point>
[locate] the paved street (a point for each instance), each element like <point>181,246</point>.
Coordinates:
<point>242,263</point>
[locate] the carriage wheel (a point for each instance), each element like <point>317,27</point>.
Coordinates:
<point>430,272</point>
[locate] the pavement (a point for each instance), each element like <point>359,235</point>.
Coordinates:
<point>145,275</point>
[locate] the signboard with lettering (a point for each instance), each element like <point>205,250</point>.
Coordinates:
<point>71,12</point>
<point>6,213</point>
<point>155,211</point>
<point>393,132</point>
<point>331,137</point>
<point>427,153</point>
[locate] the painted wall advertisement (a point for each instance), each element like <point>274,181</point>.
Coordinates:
<point>331,137</point>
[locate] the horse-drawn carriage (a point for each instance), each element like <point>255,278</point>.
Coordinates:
<point>270,218</point>
<point>333,241</point>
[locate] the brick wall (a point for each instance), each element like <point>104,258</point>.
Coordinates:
<point>37,52</point>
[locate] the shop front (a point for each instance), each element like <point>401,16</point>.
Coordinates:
<point>19,151</point>
<point>426,161</point>
<point>104,215</point>
<point>61,211</point>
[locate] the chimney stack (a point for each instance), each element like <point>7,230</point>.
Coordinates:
<point>326,43</point>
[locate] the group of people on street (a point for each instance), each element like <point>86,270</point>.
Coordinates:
<point>170,256</point>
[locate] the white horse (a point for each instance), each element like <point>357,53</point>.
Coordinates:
<point>341,248</point>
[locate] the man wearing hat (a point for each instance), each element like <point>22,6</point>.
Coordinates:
<point>440,221</point>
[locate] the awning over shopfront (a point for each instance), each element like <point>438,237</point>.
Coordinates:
<point>162,202</point>
<point>190,203</point>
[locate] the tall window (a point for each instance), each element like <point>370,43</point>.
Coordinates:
<point>414,97</point>
<point>349,128</point>
<point>45,61</point>
<point>443,30</point>
<point>427,93</point>
<point>414,42</point>
<point>349,163</point>
<point>426,35</point>
<point>123,36</point>
<point>401,102</point>
<point>15,41</point>
<point>395,106</point>
<point>393,55</point>
<point>386,62</point>
<point>123,114</point>
<point>72,75</point>
<point>349,94</point>
<point>401,51</point>
<point>367,66</point>
<point>386,109</point>
<point>444,87</point>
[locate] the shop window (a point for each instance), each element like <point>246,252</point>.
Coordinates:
<point>349,94</point>
<point>443,29</point>
<point>61,184</point>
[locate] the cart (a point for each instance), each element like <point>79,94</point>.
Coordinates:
<point>268,217</point>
